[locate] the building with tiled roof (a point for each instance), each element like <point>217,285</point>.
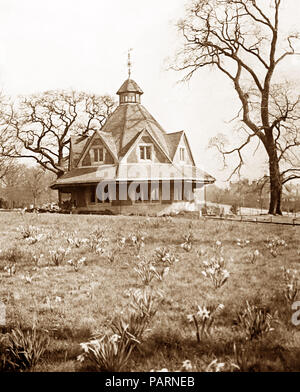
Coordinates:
<point>131,165</point>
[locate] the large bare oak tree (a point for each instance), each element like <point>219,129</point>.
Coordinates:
<point>243,39</point>
<point>40,126</point>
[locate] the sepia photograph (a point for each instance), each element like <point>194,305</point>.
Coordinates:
<point>149,189</point>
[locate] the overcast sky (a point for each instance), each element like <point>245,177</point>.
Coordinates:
<point>82,44</point>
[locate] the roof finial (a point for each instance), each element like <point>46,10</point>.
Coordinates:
<point>129,63</point>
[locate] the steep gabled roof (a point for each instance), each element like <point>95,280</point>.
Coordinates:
<point>110,143</point>
<point>126,148</point>
<point>172,141</point>
<point>106,139</point>
<point>77,146</point>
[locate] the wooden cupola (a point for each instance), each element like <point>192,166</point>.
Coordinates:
<point>129,92</point>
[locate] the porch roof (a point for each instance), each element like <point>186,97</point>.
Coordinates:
<point>132,172</point>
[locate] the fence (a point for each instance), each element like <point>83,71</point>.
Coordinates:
<point>277,220</point>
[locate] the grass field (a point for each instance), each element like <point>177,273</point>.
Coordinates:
<point>74,301</point>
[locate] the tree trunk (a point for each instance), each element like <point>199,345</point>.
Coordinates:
<point>275,185</point>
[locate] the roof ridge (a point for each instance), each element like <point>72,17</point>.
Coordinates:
<point>123,130</point>
<point>152,118</point>
<point>153,133</point>
<point>104,136</point>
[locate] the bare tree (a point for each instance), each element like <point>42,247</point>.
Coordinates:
<point>36,182</point>
<point>5,161</point>
<point>13,184</point>
<point>39,126</point>
<point>243,40</point>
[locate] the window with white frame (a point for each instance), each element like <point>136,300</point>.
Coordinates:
<point>98,154</point>
<point>145,152</point>
<point>182,154</point>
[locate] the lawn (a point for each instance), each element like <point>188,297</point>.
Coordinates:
<point>112,260</point>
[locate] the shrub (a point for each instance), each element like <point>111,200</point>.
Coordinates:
<point>244,356</point>
<point>255,321</point>
<point>142,308</point>
<point>109,353</point>
<point>12,255</point>
<point>24,348</point>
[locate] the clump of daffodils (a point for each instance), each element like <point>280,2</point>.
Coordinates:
<point>203,319</point>
<point>214,268</point>
<point>77,242</point>
<point>57,256</point>
<point>215,366</point>
<point>77,263</point>
<point>242,243</point>
<point>165,256</point>
<point>147,272</point>
<point>121,241</point>
<point>188,241</point>
<point>34,238</point>
<point>97,240</point>
<point>290,281</point>
<point>111,255</point>
<point>215,273</point>
<point>252,256</point>
<point>274,245</point>
<point>254,321</point>
<point>37,258</point>
<point>11,269</point>
<point>27,231</point>
<point>167,219</point>
<point>137,240</point>
<point>109,353</point>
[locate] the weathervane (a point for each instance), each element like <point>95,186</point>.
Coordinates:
<point>129,63</point>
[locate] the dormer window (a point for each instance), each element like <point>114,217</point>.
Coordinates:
<point>99,154</point>
<point>182,154</point>
<point>145,152</point>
